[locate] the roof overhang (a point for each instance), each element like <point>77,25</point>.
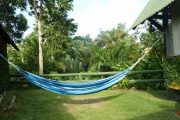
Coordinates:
<point>152,8</point>
<point>7,37</point>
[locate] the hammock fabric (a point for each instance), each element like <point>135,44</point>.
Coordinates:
<point>73,88</point>
<point>68,88</point>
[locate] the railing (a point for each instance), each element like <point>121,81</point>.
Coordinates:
<point>102,74</point>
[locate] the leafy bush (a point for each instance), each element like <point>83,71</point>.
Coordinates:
<point>171,75</point>
<point>124,84</point>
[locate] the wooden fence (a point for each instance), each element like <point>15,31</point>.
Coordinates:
<point>104,74</point>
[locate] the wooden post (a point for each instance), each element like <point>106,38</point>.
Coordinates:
<point>4,67</point>
<point>165,30</point>
<point>176,28</point>
<point>80,77</point>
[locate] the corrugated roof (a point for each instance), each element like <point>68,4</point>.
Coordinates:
<point>7,38</point>
<point>152,7</point>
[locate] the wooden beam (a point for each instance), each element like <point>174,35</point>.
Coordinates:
<point>161,17</point>
<point>165,30</point>
<point>156,24</point>
<point>4,67</point>
<point>146,81</point>
<point>7,38</point>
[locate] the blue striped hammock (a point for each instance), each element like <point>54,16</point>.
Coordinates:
<point>68,88</point>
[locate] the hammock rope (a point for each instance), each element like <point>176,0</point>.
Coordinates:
<point>82,88</point>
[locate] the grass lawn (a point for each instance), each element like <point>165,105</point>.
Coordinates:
<point>38,104</point>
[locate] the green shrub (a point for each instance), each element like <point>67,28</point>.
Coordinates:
<point>124,84</point>
<point>171,75</point>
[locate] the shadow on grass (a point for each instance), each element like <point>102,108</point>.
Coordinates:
<point>167,95</point>
<point>164,115</point>
<point>36,104</point>
<point>92,100</point>
<point>165,112</point>
<point>170,95</point>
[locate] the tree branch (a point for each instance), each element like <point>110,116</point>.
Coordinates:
<point>35,9</point>
<point>41,10</point>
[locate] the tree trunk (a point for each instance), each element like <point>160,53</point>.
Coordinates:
<point>40,47</point>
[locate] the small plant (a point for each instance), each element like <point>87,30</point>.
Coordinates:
<point>124,84</point>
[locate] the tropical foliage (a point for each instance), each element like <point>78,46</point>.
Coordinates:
<point>51,19</point>
<point>114,50</point>
<point>53,45</point>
